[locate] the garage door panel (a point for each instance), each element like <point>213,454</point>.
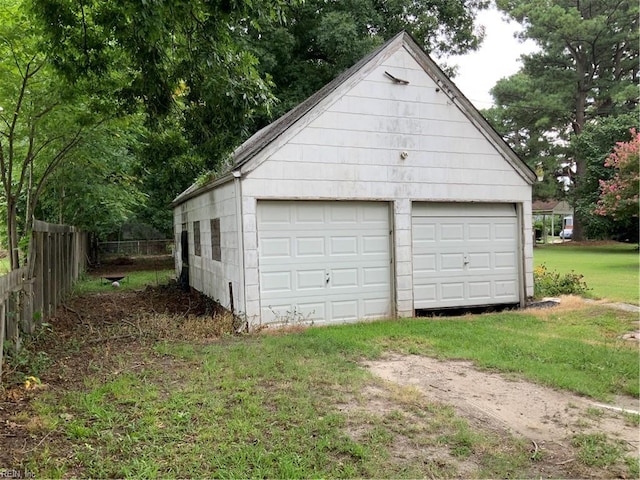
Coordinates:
<point>344,277</point>
<point>505,231</point>
<point>425,293</point>
<point>505,260</point>
<point>479,261</point>
<point>464,254</point>
<point>424,263</point>
<point>277,281</point>
<point>452,291</point>
<point>423,233</point>
<point>480,290</point>
<point>375,276</point>
<point>451,262</point>
<point>339,258</point>
<point>311,311</point>
<point>342,213</point>
<point>310,279</point>
<point>310,214</point>
<point>276,247</point>
<point>343,246</point>
<point>274,311</point>
<point>375,244</point>
<point>310,247</point>
<point>344,310</point>
<point>374,308</point>
<point>372,213</point>
<point>479,232</point>
<point>506,288</point>
<point>452,232</point>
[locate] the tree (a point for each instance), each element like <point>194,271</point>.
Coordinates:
<point>180,57</point>
<point>594,145</point>
<point>182,62</point>
<point>619,195</point>
<point>41,121</point>
<point>587,68</point>
<point>96,189</point>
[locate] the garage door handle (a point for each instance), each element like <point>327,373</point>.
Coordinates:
<point>326,278</point>
<point>465,260</point>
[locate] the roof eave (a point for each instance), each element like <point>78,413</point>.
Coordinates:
<point>192,192</point>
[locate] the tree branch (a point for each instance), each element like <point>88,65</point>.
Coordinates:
<point>57,159</point>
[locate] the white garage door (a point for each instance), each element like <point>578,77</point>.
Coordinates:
<point>324,261</point>
<point>464,254</point>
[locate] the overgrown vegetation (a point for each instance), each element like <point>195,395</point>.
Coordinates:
<point>30,361</point>
<point>552,284</point>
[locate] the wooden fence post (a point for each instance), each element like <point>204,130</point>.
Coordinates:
<point>2,328</point>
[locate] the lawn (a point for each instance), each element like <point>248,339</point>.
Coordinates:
<point>294,406</point>
<point>157,395</point>
<point>610,271</point>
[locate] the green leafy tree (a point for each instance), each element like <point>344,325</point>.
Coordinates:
<point>587,68</point>
<point>183,62</point>
<point>97,188</point>
<point>41,121</point>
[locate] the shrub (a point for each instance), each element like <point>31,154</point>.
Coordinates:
<point>551,283</point>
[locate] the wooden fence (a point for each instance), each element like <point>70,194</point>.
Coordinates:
<point>31,294</point>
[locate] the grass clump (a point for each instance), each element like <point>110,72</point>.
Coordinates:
<point>597,450</point>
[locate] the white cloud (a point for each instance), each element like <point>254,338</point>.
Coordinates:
<point>497,58</point>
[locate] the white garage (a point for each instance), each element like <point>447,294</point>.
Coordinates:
<point>324,261</point>
<point>464,255</point>
<point>383,194</point>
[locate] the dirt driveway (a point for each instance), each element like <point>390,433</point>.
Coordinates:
<point>547,417</point>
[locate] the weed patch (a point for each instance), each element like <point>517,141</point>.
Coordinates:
<point>552,284</point>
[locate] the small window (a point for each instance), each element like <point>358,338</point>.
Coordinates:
<point>216,252</point>
<point>196,239</point>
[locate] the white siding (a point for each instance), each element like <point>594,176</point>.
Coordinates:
<point>206,275</point>
<point>353,149</point>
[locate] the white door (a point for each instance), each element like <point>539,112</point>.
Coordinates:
<point>464,254</point>
<point>324,261</point>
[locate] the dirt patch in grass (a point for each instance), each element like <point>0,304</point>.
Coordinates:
<point>492,402</point>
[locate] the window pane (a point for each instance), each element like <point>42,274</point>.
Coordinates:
<point>196,238</point>
<point>216,251</point>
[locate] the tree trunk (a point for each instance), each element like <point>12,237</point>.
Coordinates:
<point>581,164</point>
<point>12,233</point>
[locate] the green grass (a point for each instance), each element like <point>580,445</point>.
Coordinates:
<point>575,349</point>
<point>610,271</point>
<point>256,407</point>
<point>132,281</point>
<point>293,405</point>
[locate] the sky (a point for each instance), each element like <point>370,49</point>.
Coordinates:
<point>497,58</point>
